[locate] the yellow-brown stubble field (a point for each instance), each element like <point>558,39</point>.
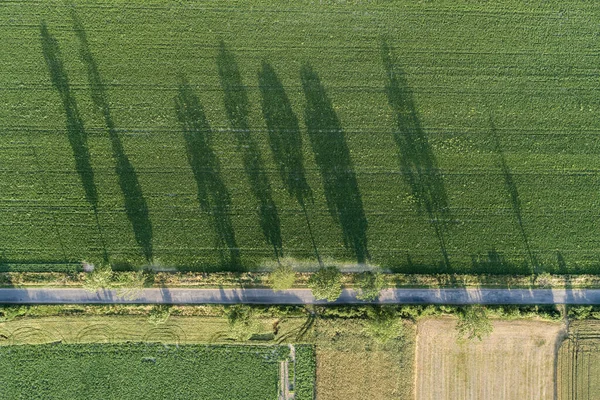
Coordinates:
<point>515,362</point>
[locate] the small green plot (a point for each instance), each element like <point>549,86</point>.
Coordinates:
<point>148,371</point>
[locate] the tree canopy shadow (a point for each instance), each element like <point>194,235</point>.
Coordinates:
<point>237,109</point>
<point>332,157</point>
<point>561,263</point>
<point>213,195</point>
<point>495,263</point>
<point>284,134</point>
<point>75,128</point>
<point>136,207</point>
<point>418,163</point>
<point>511,188</point>
<point>285,140</point>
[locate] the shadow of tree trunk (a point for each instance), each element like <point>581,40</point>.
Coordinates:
<point>332,156</point>
<point>136,207</point>
<point>285,141</point>
<point>418,163</point>
<point>237,108</point>
<point>511,188</point>
<point>213,195</point>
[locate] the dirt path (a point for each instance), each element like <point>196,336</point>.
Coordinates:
<point>284,376</point>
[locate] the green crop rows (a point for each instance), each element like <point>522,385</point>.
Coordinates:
<point>144,371</point>
<point>205,135</point>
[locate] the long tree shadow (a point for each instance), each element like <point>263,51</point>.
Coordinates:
<point>511,188</point>
<point>136,208</point>
<point>75,129</point>
<point>495,263</point>
<point>237,108</point>
<point>285,141</point>
<point>332,156</point>
<point>212,192</point>
<point>418,163</point>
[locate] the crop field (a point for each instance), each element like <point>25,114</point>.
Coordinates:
<point>418,136</point>
<point>578,368</point>
<point>516,361</point>
<point>141,371</point>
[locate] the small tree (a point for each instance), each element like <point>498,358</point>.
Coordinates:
<point>326,283</point>
<point>159,314</point>
<point>10,312</point>
<point>100,278</point>
<point>474,322</point>
<point>130,284</point>
<point>383,324</point>
<point>370,284</point>
<point>242,322</point>
<point>282,277</point>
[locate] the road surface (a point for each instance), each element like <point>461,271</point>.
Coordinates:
<point>300,296</point>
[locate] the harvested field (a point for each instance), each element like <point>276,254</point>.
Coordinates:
<point>515,362</point>
<point>578,370</point>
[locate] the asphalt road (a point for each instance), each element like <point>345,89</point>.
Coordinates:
<point>301,296</point>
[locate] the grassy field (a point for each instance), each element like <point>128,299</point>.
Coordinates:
<point>515,362</point>
<point>579,362</point>
<point>141,371</point>
<point>461,134</point>
<point>185,325</point>
<point>352,366</point>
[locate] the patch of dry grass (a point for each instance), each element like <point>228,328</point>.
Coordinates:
<point>350,365</point>
<point>116,328</point>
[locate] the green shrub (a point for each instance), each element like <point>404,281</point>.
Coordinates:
<point>473,323</point>
<point>370,284</point>
<point>326,283</point>
<point>282,277</point>
<point>159,314</point>
<point>383,324</point>
<point>242,322</point>
<point>100,278</point>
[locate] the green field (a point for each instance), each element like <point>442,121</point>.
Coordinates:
<point>204,135</point>
<point>143,371</point>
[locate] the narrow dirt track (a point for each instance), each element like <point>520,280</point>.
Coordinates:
<point>300,296</point>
